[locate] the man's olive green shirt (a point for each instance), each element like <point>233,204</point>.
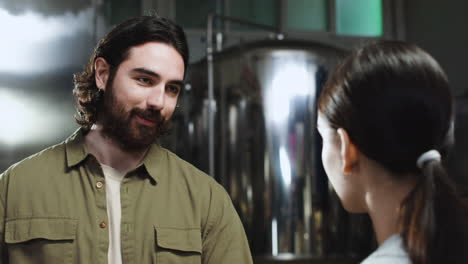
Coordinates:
<point>53,210</point>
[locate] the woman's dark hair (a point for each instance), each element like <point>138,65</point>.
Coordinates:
<point>394,101</point>
<point>114,48</point>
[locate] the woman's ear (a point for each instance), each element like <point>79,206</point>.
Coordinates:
<point>101,69</point>
<point>349,153</point>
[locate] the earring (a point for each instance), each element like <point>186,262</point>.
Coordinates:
<point>100,94</point>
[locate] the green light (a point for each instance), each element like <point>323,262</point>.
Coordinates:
<point>258,11</point>
<point>359,17</point>
<point>307,15</point>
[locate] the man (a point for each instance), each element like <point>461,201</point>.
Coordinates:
<point>108,193</point>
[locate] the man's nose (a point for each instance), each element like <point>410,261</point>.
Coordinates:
<point>156,97</point>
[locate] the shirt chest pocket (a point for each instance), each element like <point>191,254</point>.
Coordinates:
<point>40,240</point>
<point>174,246</point>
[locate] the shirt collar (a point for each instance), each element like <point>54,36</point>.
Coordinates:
<point>155,161</point>
<point>76,150</point>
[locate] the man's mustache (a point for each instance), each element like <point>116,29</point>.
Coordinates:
<point>149,114</point>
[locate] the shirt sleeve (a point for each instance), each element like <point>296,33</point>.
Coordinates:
<point>224,239</point>
<point>3,251</point>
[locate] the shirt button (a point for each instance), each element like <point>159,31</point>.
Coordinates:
<point>99,185</point>
<point>103,224</point>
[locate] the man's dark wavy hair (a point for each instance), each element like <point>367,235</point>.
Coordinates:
<point>114,48</point>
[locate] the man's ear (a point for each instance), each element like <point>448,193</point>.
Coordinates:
<point>349,153</point>
<point>101,69</point>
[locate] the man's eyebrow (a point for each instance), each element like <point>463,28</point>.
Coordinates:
<point>155,75</point>
<point>178,83</point>
<point>146,71</point>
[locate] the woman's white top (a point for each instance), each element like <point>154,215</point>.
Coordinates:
<point>391,251</point>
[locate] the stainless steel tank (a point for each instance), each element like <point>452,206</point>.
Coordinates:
<point>43,43</point>
<point>36,71</point>
<point>267,149</point>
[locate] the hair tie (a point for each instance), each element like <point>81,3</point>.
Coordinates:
<point>428,156</point>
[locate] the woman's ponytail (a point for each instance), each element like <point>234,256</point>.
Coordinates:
<point>433,218</point>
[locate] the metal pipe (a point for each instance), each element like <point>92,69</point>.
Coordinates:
<point>332,17</point>
<point>209,58</point>
<point>95,5</point>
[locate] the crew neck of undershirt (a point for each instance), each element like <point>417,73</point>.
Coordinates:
<point>112,174</point>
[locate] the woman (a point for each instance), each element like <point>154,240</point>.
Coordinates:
<point>386,119</point>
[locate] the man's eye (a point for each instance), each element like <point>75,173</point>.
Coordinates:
<point>144,80</point>
<point>173,89</point>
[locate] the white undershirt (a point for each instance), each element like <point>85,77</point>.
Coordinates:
<point>113,181</point>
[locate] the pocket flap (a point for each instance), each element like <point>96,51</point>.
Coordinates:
<point>21,230</point>
<point>188,240</point>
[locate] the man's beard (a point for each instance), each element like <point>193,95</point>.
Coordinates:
<point>121,126</point>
